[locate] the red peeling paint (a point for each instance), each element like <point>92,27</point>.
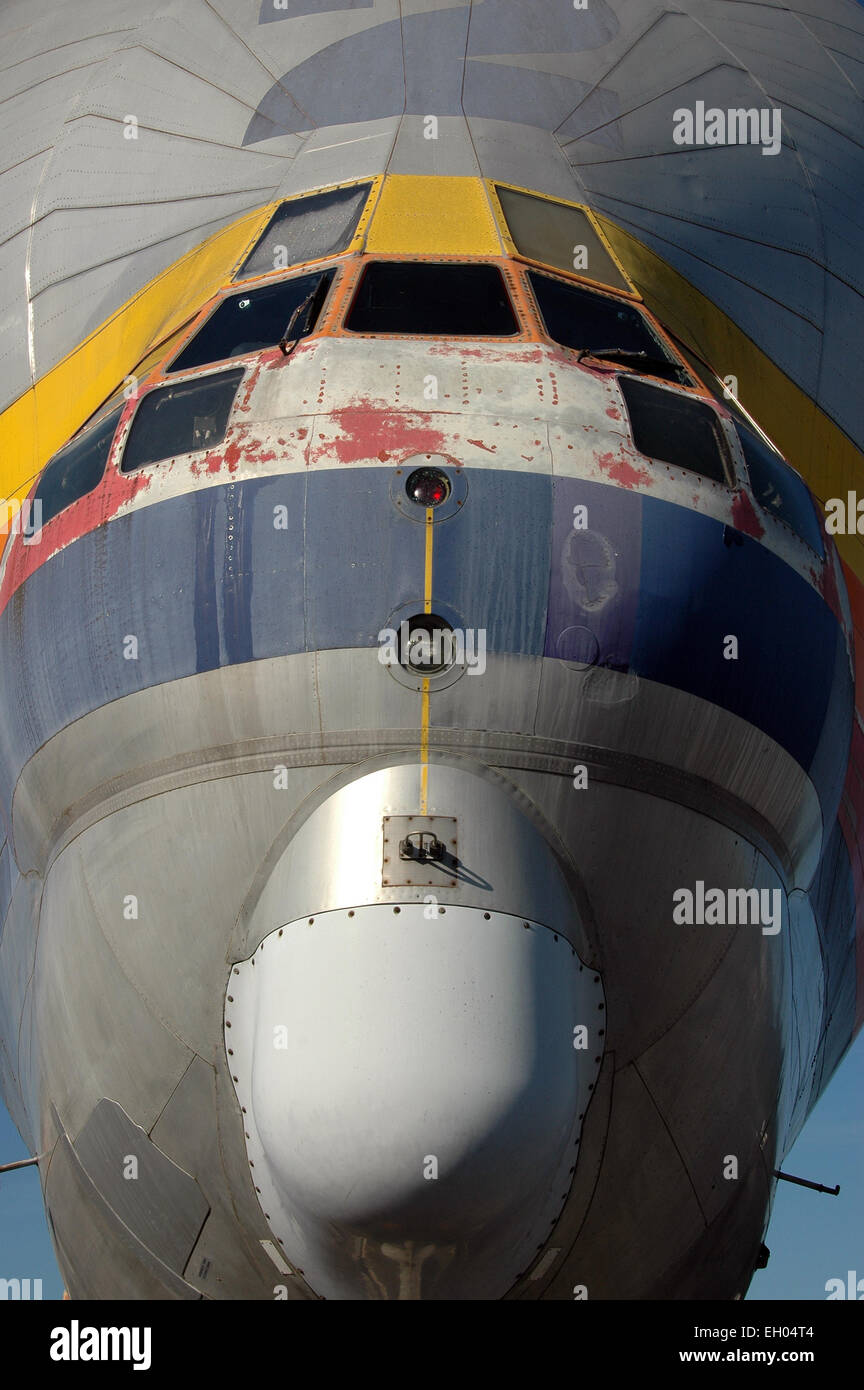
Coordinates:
<point>744,516</point>
<point>82,517</point>
<point>369,432</point>
<point>622,471</point>
<point>490,448</point>
<point>613,413</point>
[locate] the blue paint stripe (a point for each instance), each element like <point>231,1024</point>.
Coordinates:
<point>208,580</point>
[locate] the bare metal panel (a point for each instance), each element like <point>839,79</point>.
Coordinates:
<point>339,152</point>
<point>89,1010</point>
<point>14,360</point>
<point>99,1256</point>
<point>451,152</point>
<point>200,1129</point>
<point>159,1203</point>
<point>505,863</point>
<point>623,1228</point>
<point>401,869</point>
<point>8,874</point>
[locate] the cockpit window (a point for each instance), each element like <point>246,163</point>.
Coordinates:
<point>543,230</point>
<point>306,229</point>
<point>77,469</point>
<point>598,325</point>
<point>443,300</point>
<point>778,489</point>
<point>256,320</point>
<point>675,428</point>
<point>180,418</point>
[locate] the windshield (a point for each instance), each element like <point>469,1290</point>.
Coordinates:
<point>253,320</point>
<point>580,318</point>
<point>422,297</point>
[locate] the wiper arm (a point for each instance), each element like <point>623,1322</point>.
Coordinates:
<point>287,342</point>
<point>309,308</point>
<point>658,366</point>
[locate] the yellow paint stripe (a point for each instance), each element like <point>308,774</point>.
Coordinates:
<point>434,215</point>
<point>424,747</point>
<point>427,571</point>
<point>40,421</point>
<point>424,697</point>
<point>822,453</point>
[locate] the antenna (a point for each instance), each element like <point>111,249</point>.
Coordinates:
<point>805,1182</point>
<point>21,1163</point>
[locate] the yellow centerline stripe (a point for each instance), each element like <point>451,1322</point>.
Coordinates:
<point>424,696</point>
<point>427,574</point>
<point>424,747</point>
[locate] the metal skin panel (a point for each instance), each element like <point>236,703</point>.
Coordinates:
<point>612,847</point>
<point>506,860</point>
<point>692,773</point>
<point>159,1203</point>
<point>98,1254</point>
<point>228,1255</point>
<point>412,1087</point>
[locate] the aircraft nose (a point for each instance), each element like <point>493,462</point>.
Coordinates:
<point>414,1084</point>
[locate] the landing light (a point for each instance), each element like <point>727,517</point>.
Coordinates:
<point>428,487</point>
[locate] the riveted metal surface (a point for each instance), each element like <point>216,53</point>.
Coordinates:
<point>400,872</point>
<point>418,1077</point>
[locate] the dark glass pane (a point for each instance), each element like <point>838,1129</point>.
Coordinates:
<point>419,297</point>
<point>553,233</point>
<point>679,430</point>
<point>255,320</point>
<point>580,318</point>
<point>181,418</point>
<point>778,488</point>
<point>77,469</point>
<point>306,229</point>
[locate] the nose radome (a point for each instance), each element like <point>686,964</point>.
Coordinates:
<point>414,1084</point>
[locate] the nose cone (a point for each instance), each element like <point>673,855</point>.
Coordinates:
<point>414,1083</point>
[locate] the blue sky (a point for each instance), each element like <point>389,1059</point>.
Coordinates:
<point>812,1238</point>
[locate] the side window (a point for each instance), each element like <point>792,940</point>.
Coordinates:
<point>77,469</point>
<point>256,320</point>
<point>306,229</point>
<point>676,429</point>
<point>422,297</point>
<point>178,419</point>
<point>600,326</point>
<point>778,489</point>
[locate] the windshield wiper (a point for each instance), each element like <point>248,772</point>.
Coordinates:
<point>657,366</point>
<point>309,308</point>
